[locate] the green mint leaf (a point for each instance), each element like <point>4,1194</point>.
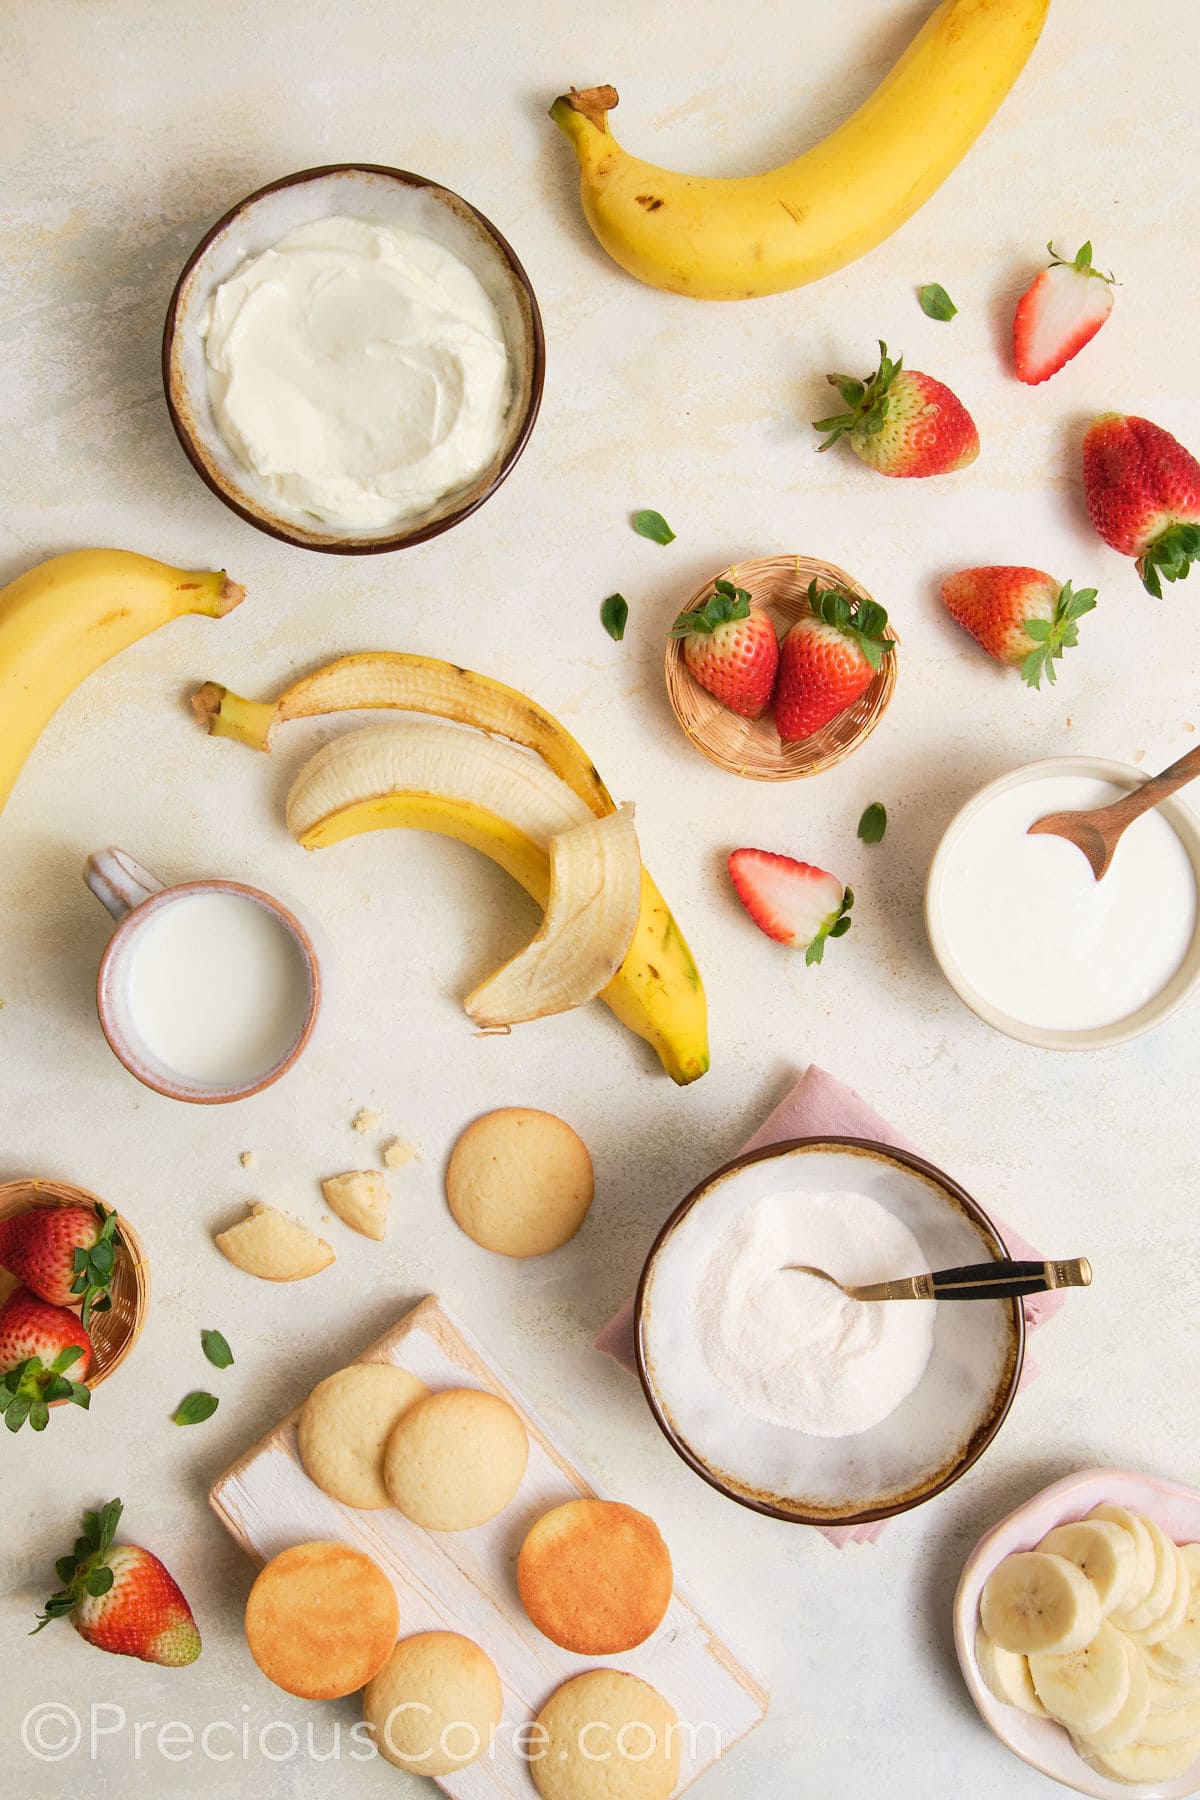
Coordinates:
<point>195,1408</point>
<point>936,302</point>
<point>873,823</point>
<point>613,614</point>
<point>216,1349</point>
<point>652,525</point>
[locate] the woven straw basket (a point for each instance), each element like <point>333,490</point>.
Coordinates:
<point>751,747</point>
<point>115,1332</point>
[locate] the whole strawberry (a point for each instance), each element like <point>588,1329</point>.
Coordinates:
<point>828,658</point>
<point>1059,314</point>
<point>121,1598</point>
<point>66,1254</point>
<point>793,902</point>
<point>1022,617</point>
<point>1143,494</point>
<point>38,1344</point>
<point>901,422</point>
<point>731,649</point>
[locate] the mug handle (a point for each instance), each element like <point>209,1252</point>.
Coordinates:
<point>119,883</point>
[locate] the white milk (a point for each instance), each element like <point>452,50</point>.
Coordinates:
<point>1037,935</point>
<point>217,989</point>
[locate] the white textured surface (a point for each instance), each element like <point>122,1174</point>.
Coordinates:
<point>127,129</point>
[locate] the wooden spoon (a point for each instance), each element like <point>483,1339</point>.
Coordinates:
<point>1097,833</point>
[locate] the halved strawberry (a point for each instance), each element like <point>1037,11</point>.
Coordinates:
<point>731,649</point>
<point>793,902</point>
<point>1059,314</point>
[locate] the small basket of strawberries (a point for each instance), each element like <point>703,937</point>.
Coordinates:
<point>780,667</point>
<point>74,1289</point>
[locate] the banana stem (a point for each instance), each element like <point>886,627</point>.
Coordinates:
<point>226,714</point>
<point>574,111</point>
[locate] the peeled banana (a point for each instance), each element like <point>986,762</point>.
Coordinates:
<point>657,992</point>
<point>63,619</point>
<point>730,239</point>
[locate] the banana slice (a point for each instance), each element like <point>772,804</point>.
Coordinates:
<point>1177,1655</point>
<point>1143,1579</point>
<point>1130,1723</point>
<point>1167,1693</point>
<point>1086,1688</point>
<point>1033,1602</point>
<point>1007,1675</point>
<point>1105,1552</point>
<point>1138,1615</point>
<point>1169,1622</point>
<point>1171,1727</point>
<point>1146,1764</point>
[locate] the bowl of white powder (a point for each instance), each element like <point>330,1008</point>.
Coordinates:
<point>785,1394</point>
<point>353,359</point>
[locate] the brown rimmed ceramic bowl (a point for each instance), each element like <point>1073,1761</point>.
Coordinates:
<point>113,1333</point>
<point>932,1438</point>
<point>778,585</point>
<point>364,191</point>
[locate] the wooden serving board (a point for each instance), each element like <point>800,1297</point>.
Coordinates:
<point>466,1581</point>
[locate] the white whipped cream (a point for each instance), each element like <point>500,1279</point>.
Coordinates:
<point>360,370</point>
<point>1039,937</point>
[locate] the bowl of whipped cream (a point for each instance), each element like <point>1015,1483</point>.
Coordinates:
<point>1033,943</point>
<point>785,1394</point>
<point>353,359</point>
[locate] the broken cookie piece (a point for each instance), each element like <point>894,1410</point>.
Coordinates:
<point>360,1200</point>
<point>273,1247</point>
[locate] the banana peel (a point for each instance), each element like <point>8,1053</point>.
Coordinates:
<point>657,993</point>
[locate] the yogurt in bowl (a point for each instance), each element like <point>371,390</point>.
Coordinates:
<point>1039,948</point>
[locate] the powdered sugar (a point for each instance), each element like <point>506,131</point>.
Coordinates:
<point>791,1349</point>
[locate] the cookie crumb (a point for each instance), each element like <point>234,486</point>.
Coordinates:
<point>247,1159</point>
<point>396,1153</point>
<point>366,1119</point>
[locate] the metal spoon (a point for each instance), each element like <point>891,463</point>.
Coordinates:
<point>1098,832</point>
<point>979,1281</point>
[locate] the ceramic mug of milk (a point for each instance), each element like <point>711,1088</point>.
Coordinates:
<point>209,990</point>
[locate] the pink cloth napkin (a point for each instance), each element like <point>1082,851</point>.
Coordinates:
<point>820,1106</point>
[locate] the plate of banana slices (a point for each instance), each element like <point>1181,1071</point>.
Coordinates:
<point>1077,1626</point>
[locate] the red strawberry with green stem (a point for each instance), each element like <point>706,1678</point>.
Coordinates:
<point>65,1254</point>
<point>793,902</point>
<point>1022,617</point>
<point>1059,314</point>
<point>901,422</point>
<point>120,1598</point>
<point>1143,494</point>
<point>829,657</point>
<point>39,1343</point>
<point>731,649</point>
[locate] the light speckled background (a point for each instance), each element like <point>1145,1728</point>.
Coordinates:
<point>128,127</point>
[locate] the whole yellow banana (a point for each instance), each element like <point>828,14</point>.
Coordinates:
<point>732,239</point>
<point>63,619</point>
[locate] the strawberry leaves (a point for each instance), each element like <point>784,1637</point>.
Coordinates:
<point>1081,262</point>
<point>28,1390</point>
<point>836,926</point>
<point>93,1268</point>
<point>85,1571</point>
<point>864,622</point>
<point>1169,557</point>
<point>723,605</point>
<point>1051,637</point>
<point>865,401</point>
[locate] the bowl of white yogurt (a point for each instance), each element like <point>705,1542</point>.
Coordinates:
<point>1033,943</point>
<point>353,359</point>
<point>791,1398</point>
